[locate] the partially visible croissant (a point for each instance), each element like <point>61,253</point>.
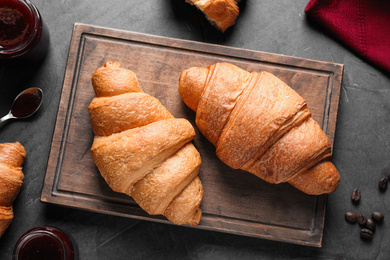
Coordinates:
<point>221,13</point>
<point>260,125</point>
<point>141,150</point>
<point>11,179</point>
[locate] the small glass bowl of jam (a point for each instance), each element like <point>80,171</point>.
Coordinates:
<point>23,34</point>
<point>44,243</point>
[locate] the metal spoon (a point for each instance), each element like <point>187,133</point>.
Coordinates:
<point>25,104</point>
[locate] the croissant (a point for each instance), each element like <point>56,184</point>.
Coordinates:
<point>220,13</point>
<point>141,150</point>
<point>260,125</point>
<point>11,179</point>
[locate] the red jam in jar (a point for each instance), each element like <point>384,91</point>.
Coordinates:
<point>44,243</point>
<point>23,35</point>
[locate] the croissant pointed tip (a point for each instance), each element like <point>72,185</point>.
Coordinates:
<point>194,221</point>
<point>323,178</point>
<point>191,85</point>
<point>112,65</point>
<point>111,80</point>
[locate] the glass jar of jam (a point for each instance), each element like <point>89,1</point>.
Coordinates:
<point>23,35</point>
<point>44,243</point>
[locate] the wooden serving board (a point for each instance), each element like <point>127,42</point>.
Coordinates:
<point>234,201</point>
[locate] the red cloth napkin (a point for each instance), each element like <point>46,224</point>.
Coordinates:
<point>363,25</point>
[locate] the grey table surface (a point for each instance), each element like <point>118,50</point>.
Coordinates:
<point>361,148</point>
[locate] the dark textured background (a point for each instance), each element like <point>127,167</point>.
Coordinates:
<point>361,150</point>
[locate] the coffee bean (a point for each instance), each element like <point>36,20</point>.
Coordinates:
<point>362,220</point>
<point>356,195</point>
<point>366,234</point>
<point>377,217</point>
<point>370,224</point>
<point>350,217</point>
<point>383,184</point>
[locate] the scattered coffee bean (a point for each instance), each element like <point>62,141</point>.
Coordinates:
<point>350,217</point>
<point>366,234</point>
<point>356,195</point>
<point>377,217</point>
<point>362,220</point>
<point>383,184</point>
<point>370,224</point>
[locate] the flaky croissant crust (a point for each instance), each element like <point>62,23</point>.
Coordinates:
<point>260,125</point>
<point>220,13</point>
<point>12,156</point>
<point>141,150</point>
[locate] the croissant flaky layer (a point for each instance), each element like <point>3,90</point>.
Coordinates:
<point>12,156</point>
<point>6,216</point>
<point>141,150</point>
<point>260,125</point>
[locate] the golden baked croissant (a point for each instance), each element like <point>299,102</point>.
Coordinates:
<point>141,150</point>
<point>11,179</point>
<point>220,13</point>
<point>260,125</point>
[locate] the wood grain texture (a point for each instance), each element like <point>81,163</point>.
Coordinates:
<point>234,201</point>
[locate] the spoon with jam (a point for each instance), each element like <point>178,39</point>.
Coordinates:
<point>25,104</point>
